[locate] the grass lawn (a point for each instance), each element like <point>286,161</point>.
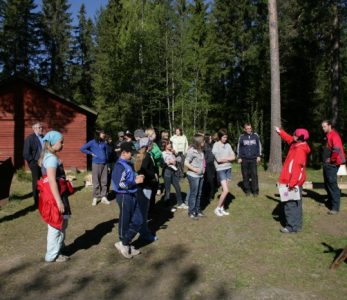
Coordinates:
<point>241,256</point>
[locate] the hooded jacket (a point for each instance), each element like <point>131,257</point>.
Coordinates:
<point>294,168</point>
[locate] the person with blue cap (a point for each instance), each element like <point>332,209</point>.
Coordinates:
<point>58,206</point>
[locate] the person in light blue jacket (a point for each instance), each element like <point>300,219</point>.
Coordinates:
<point>97,148</point>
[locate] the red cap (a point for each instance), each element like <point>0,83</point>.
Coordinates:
<point>302,132</point>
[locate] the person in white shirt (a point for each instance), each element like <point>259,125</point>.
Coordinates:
<point>180,146</point>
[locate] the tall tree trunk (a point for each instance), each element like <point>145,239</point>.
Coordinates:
<point>196,101</point>
<point>167,83</point>
<point>335,65</point>
<point>172,92</point>
<point>275,162</point>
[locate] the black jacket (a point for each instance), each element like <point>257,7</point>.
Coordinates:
<point>249,146</point>
<point>32,149</point>
<point>148,169</point>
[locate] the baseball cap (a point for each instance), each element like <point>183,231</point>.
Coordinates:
<point>127,147</point>
<point>302,132</point>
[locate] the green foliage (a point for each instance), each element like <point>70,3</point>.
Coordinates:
<point>19,45</point>
<point>199,65</point>
<point>56,36</point>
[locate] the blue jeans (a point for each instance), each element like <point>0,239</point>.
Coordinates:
<point>55,240</point>
<point>143,201</point>
<point>171,178</point>
<point>130,217</point>
<point>195,186</point>
<point>330,183</point>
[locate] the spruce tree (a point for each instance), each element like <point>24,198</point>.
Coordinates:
<point>82,60</point>
<point>56,34</point>
<point>19,38</point>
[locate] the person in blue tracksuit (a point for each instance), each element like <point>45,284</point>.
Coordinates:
<point>249,155</point>
<point>97,148</point>
<point>124,183</point>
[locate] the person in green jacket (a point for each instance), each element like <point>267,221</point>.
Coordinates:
<point>157,158</point>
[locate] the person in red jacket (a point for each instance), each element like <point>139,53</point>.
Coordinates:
<point>293,175</point>
<point>333,156</point>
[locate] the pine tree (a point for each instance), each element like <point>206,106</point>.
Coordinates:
<point>56,33</point>
<point>275,163</point>
<point>109,75</point>
<point>19,43</point>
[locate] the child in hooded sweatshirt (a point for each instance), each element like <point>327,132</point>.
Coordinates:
<point>124,183</point>
<point>293,175</point>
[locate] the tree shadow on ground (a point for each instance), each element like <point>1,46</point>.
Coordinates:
<point>228,200</point>
<point>18,214</point>
<point>78,188</point>
<point>90,238</point>
<point>21,197</point>
<point>278,211</point>
<point>160,216</point>
<point>118,279</point>
<point>334,251</point>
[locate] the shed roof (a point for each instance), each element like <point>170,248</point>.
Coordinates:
<point>63,99</point>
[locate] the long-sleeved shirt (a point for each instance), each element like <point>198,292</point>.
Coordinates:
<point>98,150</point>
<point>249,146</point>
<point>222,151</point>
<point>179,143</point>
<point>196,159</point>
<point>333,151</point>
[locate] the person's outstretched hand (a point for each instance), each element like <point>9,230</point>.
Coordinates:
<point>277,129</point>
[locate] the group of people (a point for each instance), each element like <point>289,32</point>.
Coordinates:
<point>134,163</point>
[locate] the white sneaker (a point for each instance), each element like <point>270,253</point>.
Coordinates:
<point>104,200</point>
<point>95,201</point>
<point>225,213</point>
<point>134,251</point>
<point>218,212</point>
<point>62,258</point>
<point>124,250</point>
<point>183,206</point>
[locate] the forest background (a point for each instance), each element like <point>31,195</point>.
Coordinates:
<point>199,65</point>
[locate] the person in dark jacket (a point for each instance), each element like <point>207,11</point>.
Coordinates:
<point>144,165</point>
<point>97,148</point>
<point>111,154</point>
<point>209,186</point>
<point>31,153</point>
<point>333,157</point>
<point>249,154</point>
<point>124,183</point>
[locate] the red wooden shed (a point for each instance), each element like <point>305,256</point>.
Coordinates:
<point>24,102</point>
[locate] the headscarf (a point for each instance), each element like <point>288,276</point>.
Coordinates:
<point>52,137</point>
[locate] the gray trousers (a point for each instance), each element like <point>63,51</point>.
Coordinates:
<point>99,177</point>
<point>293,213</point>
